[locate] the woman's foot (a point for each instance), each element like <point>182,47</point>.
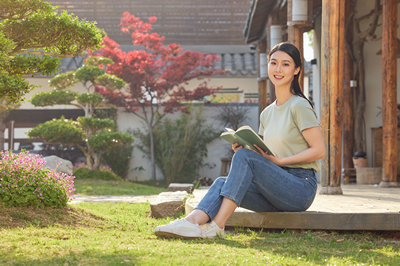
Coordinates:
<point>180,228</point>
<point>212,230</point>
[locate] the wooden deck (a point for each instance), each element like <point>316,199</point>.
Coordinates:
<point>361,207</point>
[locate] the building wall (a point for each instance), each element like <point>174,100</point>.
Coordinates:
<point>373,75</point>
<point>126,122</point>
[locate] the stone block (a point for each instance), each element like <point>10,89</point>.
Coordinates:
<point>168,204</point>
<point>181,187</point>
<point>59,164</point>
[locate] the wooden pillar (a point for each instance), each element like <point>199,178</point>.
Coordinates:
<point>11,135</point>
<point>348,102</point>
<point>389,93</point>
<point>332,92</point>
<point>262,77</point>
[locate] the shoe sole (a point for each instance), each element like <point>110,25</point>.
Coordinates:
<point>172,235</point>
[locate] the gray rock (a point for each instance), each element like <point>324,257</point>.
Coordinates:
<point>168,204</point>
<point>59,164</point>
<point>181,187</point>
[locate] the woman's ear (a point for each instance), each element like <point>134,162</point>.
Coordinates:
<point>297,71</point>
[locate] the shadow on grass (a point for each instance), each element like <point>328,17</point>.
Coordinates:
<point>14,217</point>
<point>85,258</point>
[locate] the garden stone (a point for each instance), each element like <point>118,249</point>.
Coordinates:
<point>168,204</point>
<point>59,164</point>
<point>181,187</point>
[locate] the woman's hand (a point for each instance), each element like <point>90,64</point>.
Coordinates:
<point>236,147</point>
<point>274,159</point>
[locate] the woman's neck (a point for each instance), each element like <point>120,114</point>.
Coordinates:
<point>282,95</point>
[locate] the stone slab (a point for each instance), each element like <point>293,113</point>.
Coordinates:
<point>361,207</point>
<point>181,187</point>
<point>168,204</point>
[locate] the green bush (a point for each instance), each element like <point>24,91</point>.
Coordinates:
<point>118,158</point>
<point>103,174</point>
<point>180,145</point>
<point>24,182</point>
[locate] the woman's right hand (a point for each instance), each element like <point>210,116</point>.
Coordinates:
<point>236,147</point>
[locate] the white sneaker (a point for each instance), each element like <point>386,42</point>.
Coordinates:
<point>180,228</point>
<point>211,230</point>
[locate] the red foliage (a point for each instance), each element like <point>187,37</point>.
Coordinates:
<point>156,74</point>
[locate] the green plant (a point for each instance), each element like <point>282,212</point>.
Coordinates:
<point>103,174</point>
<point>92,135</point>
<point>181,145</point>
<point>24,182</point>
<point>118,157</point>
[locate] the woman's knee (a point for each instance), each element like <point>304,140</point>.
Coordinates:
<point>220,181</point>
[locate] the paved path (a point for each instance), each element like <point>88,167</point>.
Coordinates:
<point>125,198</point>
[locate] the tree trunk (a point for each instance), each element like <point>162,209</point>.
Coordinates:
<point>152,154</point>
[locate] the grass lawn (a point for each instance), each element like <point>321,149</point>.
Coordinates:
<point>122,233</point>
<point>100,187</point>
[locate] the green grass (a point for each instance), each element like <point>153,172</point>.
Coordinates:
<point>99,187</point>
<point>122,233</point>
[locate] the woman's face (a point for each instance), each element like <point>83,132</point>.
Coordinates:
<point>281,69</point>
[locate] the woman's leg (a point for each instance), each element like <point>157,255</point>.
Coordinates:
<point>257,184</point>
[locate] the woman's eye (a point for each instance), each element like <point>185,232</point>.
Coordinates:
<point>272,63</point>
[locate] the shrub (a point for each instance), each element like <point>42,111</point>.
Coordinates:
<point>118,159</point>
<point>24,182</point>
<point>180,145</point>
<point>86,173</point>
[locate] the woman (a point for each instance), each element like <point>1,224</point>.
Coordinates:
<point>259,181</point>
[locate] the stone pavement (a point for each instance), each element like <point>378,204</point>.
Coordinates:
<point>125,198</point>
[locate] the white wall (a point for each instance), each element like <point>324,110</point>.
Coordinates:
<point>216,150</point>
<point>126,122</point>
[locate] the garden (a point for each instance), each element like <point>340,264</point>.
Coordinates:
<point>38,223</point>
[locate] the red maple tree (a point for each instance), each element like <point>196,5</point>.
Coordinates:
<point>156,75</point>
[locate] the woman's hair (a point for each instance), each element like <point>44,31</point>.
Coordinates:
<point>294,53</point>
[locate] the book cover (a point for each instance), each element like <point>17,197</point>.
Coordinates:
<point>246,137</point>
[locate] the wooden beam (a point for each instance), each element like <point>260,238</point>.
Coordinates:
<point>332,92</point>
<point>389,93</point>
<point>348,101</point>
<point>262,82</point>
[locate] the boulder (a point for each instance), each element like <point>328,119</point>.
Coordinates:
<point>59,164</point>
<point>168,204</point>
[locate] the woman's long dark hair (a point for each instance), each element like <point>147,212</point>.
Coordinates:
<point>294,53</point>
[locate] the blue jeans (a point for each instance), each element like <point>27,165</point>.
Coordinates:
<point>257,184</point>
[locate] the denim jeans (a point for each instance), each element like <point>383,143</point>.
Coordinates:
<point>257,184</point>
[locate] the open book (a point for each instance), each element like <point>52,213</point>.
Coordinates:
<point>246,137</point>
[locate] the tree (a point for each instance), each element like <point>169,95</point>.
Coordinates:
<point>32,36</point>
<point>156,75</point>
<point>93,136</point>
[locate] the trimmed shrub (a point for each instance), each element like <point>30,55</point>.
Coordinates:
<point>103,174</point>
<point>24,182</point>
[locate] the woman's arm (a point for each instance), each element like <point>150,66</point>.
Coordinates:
<point>316,149</point>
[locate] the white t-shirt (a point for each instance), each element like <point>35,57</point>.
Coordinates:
<point>281,127</point>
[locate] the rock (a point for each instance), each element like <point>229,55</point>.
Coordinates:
<point>181,187</point>
<point>168,204</point>
<point>59,164</point>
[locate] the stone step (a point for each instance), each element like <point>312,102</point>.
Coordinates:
<point>362,207</point>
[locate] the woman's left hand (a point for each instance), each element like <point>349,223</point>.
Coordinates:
<point>274,159</point>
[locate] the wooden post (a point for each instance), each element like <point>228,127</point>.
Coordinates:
<point>262,81</point>
<point>348,101</point>
<point>389,93</point>
<point>332,92</point>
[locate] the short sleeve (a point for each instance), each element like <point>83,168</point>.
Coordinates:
<point>261,127</point>
<point>304,115</point>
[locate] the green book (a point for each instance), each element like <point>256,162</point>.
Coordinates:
<point>246,137</point>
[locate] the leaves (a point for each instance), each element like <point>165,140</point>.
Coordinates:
<point>45,98</point>
<point>59,131</point>
<point>31,32</point>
